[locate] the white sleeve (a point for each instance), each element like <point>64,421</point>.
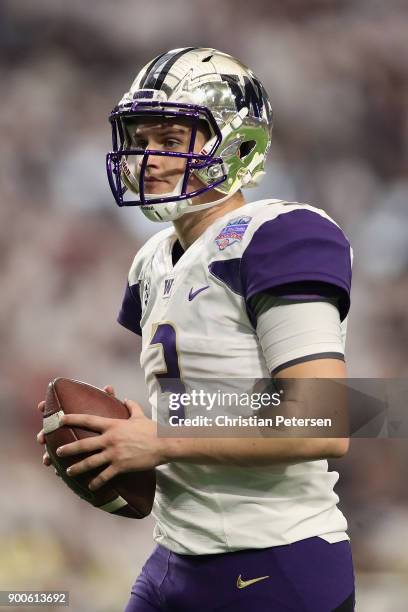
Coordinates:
<point>292,332</point>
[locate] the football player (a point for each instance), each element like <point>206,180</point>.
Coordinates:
<point>230,289</point>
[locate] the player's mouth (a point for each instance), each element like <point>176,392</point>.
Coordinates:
<point>155,185</point>
<point>150,180</point>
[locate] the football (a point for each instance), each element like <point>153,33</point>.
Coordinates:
<point>130,494</point>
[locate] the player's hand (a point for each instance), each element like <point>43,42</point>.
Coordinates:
<point>110,390</point>
<point>124,445</point>
<point>40,436</point>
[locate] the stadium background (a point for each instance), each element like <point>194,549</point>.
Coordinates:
<point>336,72</point>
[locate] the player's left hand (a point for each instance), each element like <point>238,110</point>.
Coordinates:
<point>124,445</point>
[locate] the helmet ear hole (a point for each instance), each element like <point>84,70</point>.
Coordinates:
<point>246,148</point>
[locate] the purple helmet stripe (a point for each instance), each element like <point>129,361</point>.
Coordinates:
<point>151,76</point>
<point>149,69</point>
<point>155,81</point>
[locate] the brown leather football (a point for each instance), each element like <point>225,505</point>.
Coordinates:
<point>130,494</point>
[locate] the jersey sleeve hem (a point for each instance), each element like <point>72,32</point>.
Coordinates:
<point>286,279</point>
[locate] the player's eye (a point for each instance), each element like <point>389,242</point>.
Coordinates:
<point>171,143</point>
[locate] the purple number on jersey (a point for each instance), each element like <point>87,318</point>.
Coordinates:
<point>169,380</point>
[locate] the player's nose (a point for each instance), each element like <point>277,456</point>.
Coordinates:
<point>152,163</point>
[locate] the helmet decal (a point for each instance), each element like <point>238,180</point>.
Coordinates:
<point>250,95</point>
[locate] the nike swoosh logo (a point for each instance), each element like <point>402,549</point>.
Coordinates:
<point>193,294</point>
<point>241,584</point>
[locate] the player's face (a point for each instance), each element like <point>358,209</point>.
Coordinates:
<point>164,172</point>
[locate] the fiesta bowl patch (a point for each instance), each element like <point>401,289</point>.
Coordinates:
<point>232,232</point>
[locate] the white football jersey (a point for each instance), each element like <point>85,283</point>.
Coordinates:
<point>196,323</point>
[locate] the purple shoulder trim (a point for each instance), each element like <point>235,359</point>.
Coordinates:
<point>131,311</point>
<point>299,255</point>
<point>299,247</point>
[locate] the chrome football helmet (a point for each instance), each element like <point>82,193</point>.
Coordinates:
<point>202,85</point>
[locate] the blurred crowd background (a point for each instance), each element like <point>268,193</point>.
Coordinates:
<point>336,72</point>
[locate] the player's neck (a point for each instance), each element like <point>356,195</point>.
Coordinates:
<point>190,227</point>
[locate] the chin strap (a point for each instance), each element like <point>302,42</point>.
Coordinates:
<point>162,212</point>
<point>191,207</point>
